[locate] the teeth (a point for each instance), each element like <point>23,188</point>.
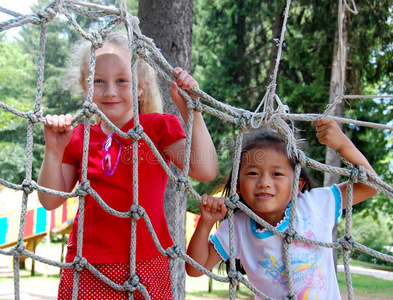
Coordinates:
<point>264,195</point>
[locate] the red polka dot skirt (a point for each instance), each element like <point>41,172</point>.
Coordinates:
<point>153,275</point>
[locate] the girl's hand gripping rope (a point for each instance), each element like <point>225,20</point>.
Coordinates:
<point>54,173</point>
<point>57,132</point>
<point>330,134</point>
<point>212,209</point>
<point>204,164</point>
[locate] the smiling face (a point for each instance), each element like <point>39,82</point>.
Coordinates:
<point>265,182</point>
<point>113,84</point>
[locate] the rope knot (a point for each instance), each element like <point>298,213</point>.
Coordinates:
<point>80,263</point>
<point>137,211</point>
<point>347,243</point>
<point>354,174</point>
<point>18,249</point>
<point>231,201</point>
<point>90,108</point>
<point>244,120</point>
<point>83,188</point>
<point>290,236</point>
<point>183,184</point>
<point>140,51</point>
<point>34,116</point>
<point>291,297</point>
<point>195,104</point>
<point>301,158</point>
<point>234,277</point>
<point>174,251</point>
<point>28,186</point>
<point>136,132</point>
<point>361,173</point>
<point>96,39</point>
<point>47,15</point>
<point>132,283</point>
<point>358,173</point>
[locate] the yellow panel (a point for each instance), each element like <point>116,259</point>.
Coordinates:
<point>13,221</point>
<point>58,216</point>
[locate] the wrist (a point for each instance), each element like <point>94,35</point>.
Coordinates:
<point>206,224</point>
<point>54,153</point>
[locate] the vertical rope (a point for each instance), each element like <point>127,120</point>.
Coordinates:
<point>84,181</point>
<point>290,233</point>
<point>135,163</point>
<point>235,173</point>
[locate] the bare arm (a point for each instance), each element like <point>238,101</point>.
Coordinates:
<point>330,134</point>
<point>203,162</point>
<point>55,174</point>
<point>199,248</point>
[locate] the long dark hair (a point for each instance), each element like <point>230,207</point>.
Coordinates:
<point>265,137</point>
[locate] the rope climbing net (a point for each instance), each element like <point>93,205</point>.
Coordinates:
<point>271,113</point>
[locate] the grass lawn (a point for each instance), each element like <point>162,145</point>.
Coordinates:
<point>367,286</point>
<point>198,287</point>
<point>363,285</point>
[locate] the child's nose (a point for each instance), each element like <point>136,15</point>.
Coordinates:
<point>109,91</point>
<point>264,181</point>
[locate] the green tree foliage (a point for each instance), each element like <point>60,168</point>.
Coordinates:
<point>17,91</point>
<point>370,70</point>
<point>373,232</point>
<point>18,76</point>
<point>230,58</point>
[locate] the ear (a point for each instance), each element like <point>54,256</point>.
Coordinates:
<point>140,91</point>
<point>141,87</point>
<point>302,183</point>
<point>83,84</point>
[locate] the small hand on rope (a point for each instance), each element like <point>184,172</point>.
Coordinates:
<point>58,131</point>
<point>186,82</point>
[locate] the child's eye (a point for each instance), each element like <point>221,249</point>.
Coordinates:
<point>277,174</point>
<point>122,80</point>
<point>98,81</point>
<point>252,173</point>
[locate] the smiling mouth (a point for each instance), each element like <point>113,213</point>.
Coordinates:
<point>264,196</point>
<point>110,103</point>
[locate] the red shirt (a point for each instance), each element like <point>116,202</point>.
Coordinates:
<point>107,238</point>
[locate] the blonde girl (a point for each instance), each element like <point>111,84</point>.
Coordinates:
<point>107,238</point>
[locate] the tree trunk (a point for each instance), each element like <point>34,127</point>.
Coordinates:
<point>169,24</point>
<point>336,89</point>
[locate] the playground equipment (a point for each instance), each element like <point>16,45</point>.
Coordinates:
<point>38,222</point>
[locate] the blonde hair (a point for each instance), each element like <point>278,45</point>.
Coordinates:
<point>150,99</point>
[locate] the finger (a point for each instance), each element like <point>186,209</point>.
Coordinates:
<point>322,127</point>
<point>177,71</point>
<point>209,203</point>
<point>322,138</point>
<point>204,199</point>
<point>181,77</point>
<point>61,123</point>
<point>321,121</point>
<point>223,209</point>
<point>189,82</point>
<point>214,206</point>
<point>68,119</point>
<point>55,122</point>
<point>221,201</point>
<point>48,119</point>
